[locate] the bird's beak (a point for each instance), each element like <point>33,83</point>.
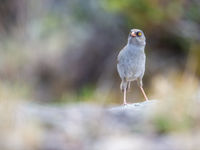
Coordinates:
<point>133,34</point>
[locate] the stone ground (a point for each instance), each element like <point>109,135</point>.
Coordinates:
<point>90,127</point>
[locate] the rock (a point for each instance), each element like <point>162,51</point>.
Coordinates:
<point>135,106</point>
<point>78,126</point>
<point>86,127</point>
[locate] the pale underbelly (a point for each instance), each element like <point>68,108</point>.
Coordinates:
<point>132,77</point>
<point>130,73</point>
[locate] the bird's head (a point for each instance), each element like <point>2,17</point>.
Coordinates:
<point>136,37</point>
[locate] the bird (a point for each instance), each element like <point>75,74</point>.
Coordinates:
<point>131,62</point>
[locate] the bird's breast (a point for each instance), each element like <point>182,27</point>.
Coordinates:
<point>131,64</point>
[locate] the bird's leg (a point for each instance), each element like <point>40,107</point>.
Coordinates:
<point>125,96</point>
<point>129,85</point>
<point>124,87</point>
<point>140,84</point>
<point>145,96</point>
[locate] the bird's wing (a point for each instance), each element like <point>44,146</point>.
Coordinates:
<point>121,54</point>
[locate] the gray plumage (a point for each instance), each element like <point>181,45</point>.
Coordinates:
<point>131,61</point>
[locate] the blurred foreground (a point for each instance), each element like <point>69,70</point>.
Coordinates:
<point>170,125</point>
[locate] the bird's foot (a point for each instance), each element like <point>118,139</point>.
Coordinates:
<point>125,104</point>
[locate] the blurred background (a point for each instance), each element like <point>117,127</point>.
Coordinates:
<point>60,52</point>
<point>65,51</point>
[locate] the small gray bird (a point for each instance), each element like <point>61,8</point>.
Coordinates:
<point>131,61</point>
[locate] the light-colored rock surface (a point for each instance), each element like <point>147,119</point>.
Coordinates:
<point>89,127</point>
<point>136,106</point>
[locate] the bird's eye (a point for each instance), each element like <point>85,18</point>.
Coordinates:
<point>139,33</point>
